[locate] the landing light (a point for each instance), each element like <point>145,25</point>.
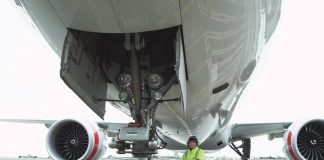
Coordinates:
<point>157,95</point>
<point>155,81</point>
<point>124,80</point>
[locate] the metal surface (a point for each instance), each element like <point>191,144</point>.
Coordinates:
<point>134,134</point>
<point>221,41</point>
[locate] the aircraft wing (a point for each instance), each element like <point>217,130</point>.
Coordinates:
<point>47,123</point>
<point>303,139</point>
<point>242,131</point>
<point>111,128</point>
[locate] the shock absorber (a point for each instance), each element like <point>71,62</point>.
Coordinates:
<point>135,73</point>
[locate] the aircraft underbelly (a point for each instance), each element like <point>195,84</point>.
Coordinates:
<point>221,43</point>
<point>115,16</point>
<point>222,47</point>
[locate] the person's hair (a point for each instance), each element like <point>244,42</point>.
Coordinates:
<point>194,139</point>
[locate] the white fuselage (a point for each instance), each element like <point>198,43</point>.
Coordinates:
<point>222,42</point>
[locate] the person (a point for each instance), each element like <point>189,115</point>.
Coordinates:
<point>194,152</point>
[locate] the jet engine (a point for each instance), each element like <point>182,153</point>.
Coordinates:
<point>305,140</point>
<point>73,139</point>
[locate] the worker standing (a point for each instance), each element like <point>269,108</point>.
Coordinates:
<point>194,152</point>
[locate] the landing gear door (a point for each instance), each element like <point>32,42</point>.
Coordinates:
<point>181,71</point>
<point>81,72</point>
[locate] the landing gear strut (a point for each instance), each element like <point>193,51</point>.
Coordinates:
<point>142,85</point>
<point>246,148</point>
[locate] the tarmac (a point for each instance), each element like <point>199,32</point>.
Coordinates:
<point>128,158</point>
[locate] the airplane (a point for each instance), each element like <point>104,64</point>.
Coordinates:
<point>178,68</point>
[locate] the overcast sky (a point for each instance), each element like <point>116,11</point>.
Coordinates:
<point>288,85</point>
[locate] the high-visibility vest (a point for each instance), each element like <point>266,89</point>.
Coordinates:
<point>194,154</point>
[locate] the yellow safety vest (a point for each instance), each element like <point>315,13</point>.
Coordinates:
<point>194,154</point>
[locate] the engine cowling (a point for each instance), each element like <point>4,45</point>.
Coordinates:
<point>304,140</point>
<point>73,139</point>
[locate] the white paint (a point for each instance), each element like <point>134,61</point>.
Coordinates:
<point>288,86</point>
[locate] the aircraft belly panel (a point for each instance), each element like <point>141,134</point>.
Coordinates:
<point>219,44</point>
<point>115,16</point>
<point>222,41</point>
<point>173,124</point>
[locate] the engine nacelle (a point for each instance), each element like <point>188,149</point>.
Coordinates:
<point>304,140</point>
<point>74,139</point>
